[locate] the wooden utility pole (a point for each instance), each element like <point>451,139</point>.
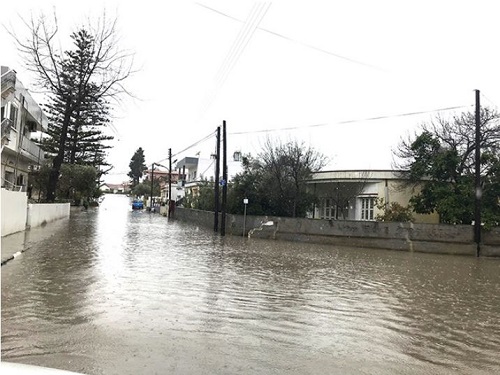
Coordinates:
<point>216,186</point>
<point>224,179</point>
<point>478,190</point>
<point>169,182</point>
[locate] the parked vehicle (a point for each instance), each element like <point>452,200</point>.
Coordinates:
<point>137,204</point>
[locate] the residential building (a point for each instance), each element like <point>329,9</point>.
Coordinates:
<point>354,194</point>
<point>194,171</point>
<point>163,178</point>
<point>122,188</point>
<point>22,120</point>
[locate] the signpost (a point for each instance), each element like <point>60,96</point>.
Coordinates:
<point>245,202</point>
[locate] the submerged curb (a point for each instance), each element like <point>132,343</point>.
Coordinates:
<point>13,256</point>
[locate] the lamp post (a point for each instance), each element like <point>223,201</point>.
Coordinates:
<point>169,182</point>
<point>245,202</point>
<point>151,196</point>
<point>478,190</point>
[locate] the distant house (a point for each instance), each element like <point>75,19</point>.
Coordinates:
<point>353,194</point>
<point>163,177</point>
<point>22,119</point>
<point>122,188</point>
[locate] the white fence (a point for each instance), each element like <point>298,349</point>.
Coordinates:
<point>14,213</point>
<point>17,214</point>
<point>42,213</point>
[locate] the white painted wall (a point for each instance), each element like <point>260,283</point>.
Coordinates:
<point>38,213</point>
<point>13,211</point>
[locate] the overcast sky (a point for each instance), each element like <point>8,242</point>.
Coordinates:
<point>306,67</point>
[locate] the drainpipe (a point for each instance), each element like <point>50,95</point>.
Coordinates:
<point>386,194</point>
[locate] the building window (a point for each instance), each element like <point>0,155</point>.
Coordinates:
<point>367,205</point>
<point>20,180</point>
<point>328,209</point>
<point>13,116</point>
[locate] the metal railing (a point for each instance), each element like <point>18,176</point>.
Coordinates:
<point>31,148</point>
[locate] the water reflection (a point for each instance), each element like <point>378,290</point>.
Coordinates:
<point>122,291</point>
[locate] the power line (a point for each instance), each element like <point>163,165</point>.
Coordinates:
<point>257,19</point>
<point>239,45</point>
<point>488,99</point>
<point>297,41</point>
<point>205,171</point>
<point>189,147</point>
<point>348,121</point>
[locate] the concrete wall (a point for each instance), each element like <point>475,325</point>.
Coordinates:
<point>13,211</point>
<point>430,238</point>
<point>41,213</point>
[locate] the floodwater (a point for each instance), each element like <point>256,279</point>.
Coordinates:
<point>114,291</point>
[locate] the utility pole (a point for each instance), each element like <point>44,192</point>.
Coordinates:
<point>151,196</point>
<point>169,181</point>
<point>224,179</point>
<point>478,190</point>
<point>216,186</point>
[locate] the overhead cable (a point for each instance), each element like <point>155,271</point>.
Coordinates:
<point>240,43</point>
<point>348,121</point>
<point>189,147</point>
<point>296,41</point>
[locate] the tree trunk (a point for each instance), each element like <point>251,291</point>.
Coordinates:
<point>58,160</point>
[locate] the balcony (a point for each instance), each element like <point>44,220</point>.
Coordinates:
<point>8,81</point>
<point>30,150</point>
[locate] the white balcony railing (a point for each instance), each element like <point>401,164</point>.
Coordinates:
<point>31,150</point>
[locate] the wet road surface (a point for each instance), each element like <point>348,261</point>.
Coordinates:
<point>116,291</point>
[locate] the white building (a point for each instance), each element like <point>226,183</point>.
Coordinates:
<point>353,194</point>
<point>22,119</point>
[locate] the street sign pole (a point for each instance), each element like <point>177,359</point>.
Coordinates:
<point>245,202</point>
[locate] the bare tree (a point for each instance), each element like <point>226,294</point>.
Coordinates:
<point>287,166</point>
<point>96,67</point>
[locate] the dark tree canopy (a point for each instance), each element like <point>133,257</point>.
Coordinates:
<point>204,199</point>
<point>137,166</point>
<point>275,182</point>
<point>441,159</point>
<point>247,184</point>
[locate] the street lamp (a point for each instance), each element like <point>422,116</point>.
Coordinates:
<point>151,196</point>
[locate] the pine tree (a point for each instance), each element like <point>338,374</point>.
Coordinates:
<point>137,166</point>
<point>93,71</point>
<point>77,117</point>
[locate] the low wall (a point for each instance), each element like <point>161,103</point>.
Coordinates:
<point>42,213</point>
<point>13,210</point>
<point>430,238</point>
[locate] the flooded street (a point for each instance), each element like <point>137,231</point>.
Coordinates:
<point>116,291</point>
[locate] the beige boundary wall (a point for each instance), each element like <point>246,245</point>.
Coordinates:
<point>428,238</point>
